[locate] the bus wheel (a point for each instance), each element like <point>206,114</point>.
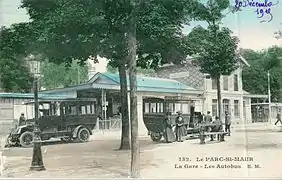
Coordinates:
<point>83,135</point>
<point>156,137</point>
<point>26,139</point>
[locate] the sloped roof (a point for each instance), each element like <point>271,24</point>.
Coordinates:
<point>112,81</point>
<point>31,96</point>
<point>151,82</point>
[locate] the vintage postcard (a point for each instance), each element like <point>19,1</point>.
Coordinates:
<point>152,89</point>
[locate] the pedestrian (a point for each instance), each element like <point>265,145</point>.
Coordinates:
<point>168,132</point>
<point>227,123</point>
<point>217,127</point>
<point>208,120</point>
<point>278,117</point>
<point>179,127</point>
<point>22,120</point>
<point>208,117</point>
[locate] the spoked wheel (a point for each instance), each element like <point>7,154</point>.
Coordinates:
<point>83,135</point>
<point>26,139</point>
<point>156,136</point>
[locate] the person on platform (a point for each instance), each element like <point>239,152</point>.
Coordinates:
<point>208,117</point>
<point>217,127</point>
<point>278,117</point>
<point>168,132</point>
<point>208,120</point>
<point>179,127</point>
<point>227,122</point>
<point>22,120</point>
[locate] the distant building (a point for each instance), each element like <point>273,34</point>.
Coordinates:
<point>235,99</point>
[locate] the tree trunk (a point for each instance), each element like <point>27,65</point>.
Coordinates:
<point>219,107</point>
<point>132,46</point>
<point>124,145</point>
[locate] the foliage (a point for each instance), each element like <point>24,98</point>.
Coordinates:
<point>215,47</point>
<point>79,29</point>
<point>216,54</point>
<point>55,76</point>
<point>14,72</point>
<point>255,77</point>
<point>140,70</point>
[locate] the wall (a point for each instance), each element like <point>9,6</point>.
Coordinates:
<point>248,118</point>
<point>197,80</point>
<point>9,117</point>
<point>230,83</point>
<point>194,77</point>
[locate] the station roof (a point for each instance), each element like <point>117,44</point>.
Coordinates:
<point>31,96</point>
<point>111,81</point>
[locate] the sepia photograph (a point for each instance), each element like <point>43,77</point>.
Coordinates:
<point>151,89</point>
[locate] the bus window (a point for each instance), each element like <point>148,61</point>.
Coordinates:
<point>177,107</point>
<point>185,108</point>
<point>153,107</point>
<point>83,110</point>
<point>147,107</point>
<point>171,107</point>
<point>160,107</point>
<point>73,110</point>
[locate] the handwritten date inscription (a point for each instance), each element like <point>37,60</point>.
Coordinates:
<point>263,8</point>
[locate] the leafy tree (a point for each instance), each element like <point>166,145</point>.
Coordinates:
<point>139,70</point>
<point>215,46</point>
<point>255,77</point>
<point>81,29</point>
<point>14,72</point>
<point>52,75</point>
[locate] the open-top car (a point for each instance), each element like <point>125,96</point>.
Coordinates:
<point>155,109</point>
<point>68,119</point>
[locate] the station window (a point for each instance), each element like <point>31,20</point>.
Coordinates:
<point>236,108</point>
<point>214,107</point>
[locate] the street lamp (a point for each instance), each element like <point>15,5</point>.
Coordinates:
<point>37,160</point>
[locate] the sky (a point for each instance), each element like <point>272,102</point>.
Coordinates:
<point>245,24</point>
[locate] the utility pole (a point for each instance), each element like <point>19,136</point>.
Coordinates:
<point>269,97</point>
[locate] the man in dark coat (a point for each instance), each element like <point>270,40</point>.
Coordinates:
<point>278,117</point>
<point>22,120</point>
<point>168,132</point>
<point>227,122</point>
<point>217,127</point>
<point>208,117</point>
<point>179,129</point>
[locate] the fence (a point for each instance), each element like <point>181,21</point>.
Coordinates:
<point>110,124</point>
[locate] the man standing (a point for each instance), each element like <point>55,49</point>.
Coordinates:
<point>227,122</point>
<point>208,117</point>
<point>179,129</point>
<point>278,117</point>
<point>22,120</point>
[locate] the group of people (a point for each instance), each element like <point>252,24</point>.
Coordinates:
<point>177,135</point>
<point>179,128</point>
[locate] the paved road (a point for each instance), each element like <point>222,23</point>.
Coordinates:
<point>100,159</point>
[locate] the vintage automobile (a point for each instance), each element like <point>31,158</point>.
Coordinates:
<point>67,120</point>
<point>154,113</point>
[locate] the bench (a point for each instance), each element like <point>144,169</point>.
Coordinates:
<point>220,134</point>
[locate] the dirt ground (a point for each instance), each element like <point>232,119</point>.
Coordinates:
<point>100,158</point>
